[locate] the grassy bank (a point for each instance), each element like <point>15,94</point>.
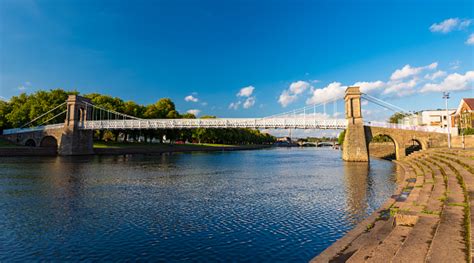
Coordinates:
<point>104,145</point>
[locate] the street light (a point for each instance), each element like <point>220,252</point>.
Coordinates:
<point>446,97</point>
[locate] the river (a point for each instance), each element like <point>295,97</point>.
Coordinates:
<point>280,204</point>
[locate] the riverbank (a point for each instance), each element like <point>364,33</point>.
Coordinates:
<point>112,148</point>
<point>131,148</point>
<point>427,219</point>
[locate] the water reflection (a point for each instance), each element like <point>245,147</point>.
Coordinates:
<point>252,206</point>
<point>356,179</point>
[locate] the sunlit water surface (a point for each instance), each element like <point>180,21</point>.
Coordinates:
<point>264,205</point>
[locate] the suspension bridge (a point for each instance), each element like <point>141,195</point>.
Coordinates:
<point>82,117</point>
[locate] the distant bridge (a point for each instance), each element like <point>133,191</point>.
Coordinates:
<point>74,136</point>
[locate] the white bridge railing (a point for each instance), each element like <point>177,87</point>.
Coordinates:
<point>407,127</point>
<point>32,129</point>
<point>264,123</point>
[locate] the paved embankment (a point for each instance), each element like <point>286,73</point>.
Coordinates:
<point>427,220</point>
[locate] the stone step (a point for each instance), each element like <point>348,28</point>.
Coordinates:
<point>455,190</point>
<point>417,244</point>
<point>438,193</point>
<point>389,247</point>
<point>448,243</point>
<point>467,163</point>
<point>426,188</point>
<point>368,242</point>
<point>468,180</point>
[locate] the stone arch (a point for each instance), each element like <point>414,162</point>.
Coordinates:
<point>30,143</point>
<point>398,139</point>
<point>49,142</point>
<point>422,142</point>
<point>396,143</point>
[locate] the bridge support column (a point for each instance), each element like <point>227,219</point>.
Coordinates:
<point>355,144</point>
<point>74,140</point>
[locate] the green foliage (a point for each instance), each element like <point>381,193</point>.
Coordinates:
<point>467,131</point>
<point>381,138</point>
<point>24,108</point>
<point>396,117</point>
<point>340,139</point>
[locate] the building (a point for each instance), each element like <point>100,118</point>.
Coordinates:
<point>463,117</point>
<point>434,118</point>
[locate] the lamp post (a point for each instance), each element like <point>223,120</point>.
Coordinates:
<point>446,98</point>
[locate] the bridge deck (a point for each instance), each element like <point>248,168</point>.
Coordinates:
<point>262,123</point>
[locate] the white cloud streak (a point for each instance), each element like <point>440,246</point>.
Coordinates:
<point>246,91</point>
<point>450,24</point>
<point>191,98</point>
<point>470,39</point>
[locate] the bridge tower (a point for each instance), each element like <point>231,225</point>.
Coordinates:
<point>355,144</point>
<point>75,141</point>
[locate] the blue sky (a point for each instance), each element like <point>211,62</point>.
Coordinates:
<point>240,58</point>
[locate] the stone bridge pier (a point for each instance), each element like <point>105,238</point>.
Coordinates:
<point>358,136</point>
<point>75,141</point>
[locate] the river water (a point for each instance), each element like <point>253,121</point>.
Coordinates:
<point>263,205</point>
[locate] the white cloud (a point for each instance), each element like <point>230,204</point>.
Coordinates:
<point>246,91</point>
<point>435,75</point>
<point>453,82</point>
<point>470,39</point>
<point>291,94</point>
<point>24,86</point>
<point>191,98</point>
<point>195,112</point>
<point>298,87</point>
<point>286,98</point>
<point>367,87</point>
<point>333,91</point>
<point>249,102</point>
<point>234,105</point>
<point>450,24</point>
<point>408,71</point>
<point>401,88</point>
<point>455,64</point>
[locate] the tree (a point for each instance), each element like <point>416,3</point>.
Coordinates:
<point>4,109</point>
<point>396,117</point>
<point>340,139</point>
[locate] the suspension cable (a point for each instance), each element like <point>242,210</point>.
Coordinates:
<point>112,111</point>
<point>387,104</point>
<point>43,114</point>
<point>313,106</point>
<point>53,117</point>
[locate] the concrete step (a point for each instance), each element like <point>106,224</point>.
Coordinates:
<point>417,244</point>
<point>389,247</point>
<point>438,193</point>
<point>455,190</point>
<point>448,243</point>
<point>368,242</point>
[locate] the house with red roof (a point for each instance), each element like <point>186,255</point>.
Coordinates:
<point>463,118</point>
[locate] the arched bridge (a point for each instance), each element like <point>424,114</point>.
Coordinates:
<point>74,136</point>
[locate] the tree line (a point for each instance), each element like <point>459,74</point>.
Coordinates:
<point>24,108</point>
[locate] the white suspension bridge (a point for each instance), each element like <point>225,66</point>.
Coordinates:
<point>95,117</point>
